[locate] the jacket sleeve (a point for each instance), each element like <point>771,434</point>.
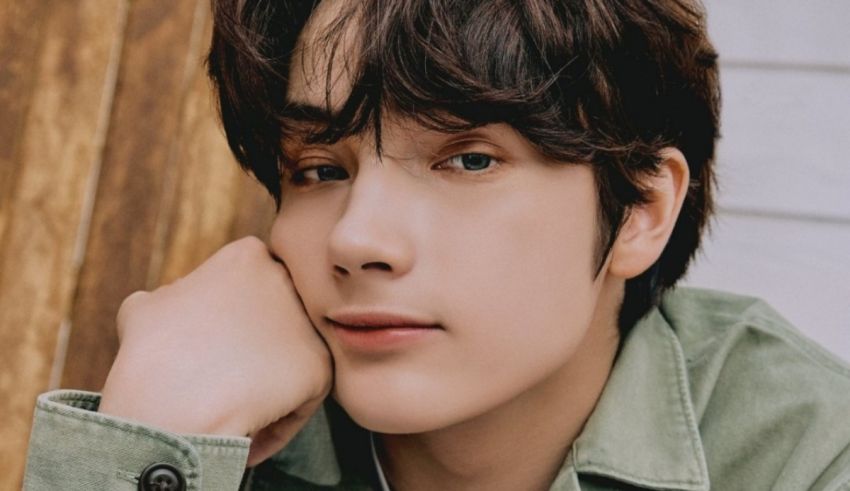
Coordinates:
<point>72,447</point>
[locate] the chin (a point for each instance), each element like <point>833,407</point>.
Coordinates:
<point>404,410</point>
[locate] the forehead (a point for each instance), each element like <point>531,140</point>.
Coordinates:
<point>326,74</point>
<point>356,68</point>
<point>322,70</point>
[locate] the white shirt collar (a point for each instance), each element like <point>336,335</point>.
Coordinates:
<point>381,477</point>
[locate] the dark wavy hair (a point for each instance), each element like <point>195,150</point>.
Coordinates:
<point>605,83</point>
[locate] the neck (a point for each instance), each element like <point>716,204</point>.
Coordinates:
<point>519,445</point>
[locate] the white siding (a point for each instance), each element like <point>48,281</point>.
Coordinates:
<point>783,230</point>
<point>784,144</point>
<point>804,32</point>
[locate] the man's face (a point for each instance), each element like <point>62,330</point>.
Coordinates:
<point>475,235</point>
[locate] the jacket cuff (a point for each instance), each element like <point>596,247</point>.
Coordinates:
<point>74,447</point>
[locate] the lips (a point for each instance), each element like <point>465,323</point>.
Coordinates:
<point>371,333</point>
<point>378,320</point>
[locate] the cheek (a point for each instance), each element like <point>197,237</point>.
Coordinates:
<point>522,288</point>
<point>299,237</point>
<point>524,255</point>
<point>514,286</point>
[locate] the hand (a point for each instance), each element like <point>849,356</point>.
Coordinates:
<point>226,350</point>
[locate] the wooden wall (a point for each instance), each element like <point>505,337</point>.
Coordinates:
<point>114,177</point>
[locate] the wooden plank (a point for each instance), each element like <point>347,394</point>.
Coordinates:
<point>60,145</point>
<point>255,213</point>
<point>784,143</point>
<point>216,201</point>
<point>21,28</point>
<point>797,33</point>
<point>799,267</point>
<point>152,84</point>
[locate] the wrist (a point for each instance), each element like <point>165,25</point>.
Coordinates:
<point>166,410</point>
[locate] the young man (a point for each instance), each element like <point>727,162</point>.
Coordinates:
<point>483,206</point>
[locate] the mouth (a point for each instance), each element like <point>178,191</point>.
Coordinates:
<point>372,332</point>
<point>378,320</point>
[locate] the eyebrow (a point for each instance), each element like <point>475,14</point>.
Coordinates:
<point>309,117</point>
<point>303,112</point>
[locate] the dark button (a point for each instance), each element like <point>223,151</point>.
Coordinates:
<point>161,477</point>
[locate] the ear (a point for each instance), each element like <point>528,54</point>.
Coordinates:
<point>648,226</point>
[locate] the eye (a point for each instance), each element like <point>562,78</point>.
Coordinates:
<point>318,173</point>
<point>468,162</point>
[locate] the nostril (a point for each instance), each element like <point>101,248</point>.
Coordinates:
<point>377,265</point>
<point>340,270</point>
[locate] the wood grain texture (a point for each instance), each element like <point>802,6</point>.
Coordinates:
<point>58,155</point>
<point>215,201</point>
<point>152,84</point>
<point>21,28</point>
<point>144,138</point>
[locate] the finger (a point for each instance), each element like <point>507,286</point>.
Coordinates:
<point>127,307</point>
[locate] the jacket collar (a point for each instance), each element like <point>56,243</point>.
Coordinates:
<point>644,428</point>
<point>643,431</point>
<point>310,455</point>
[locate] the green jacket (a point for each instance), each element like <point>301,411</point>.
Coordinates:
<point>710,391</point>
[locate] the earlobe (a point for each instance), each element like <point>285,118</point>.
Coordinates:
<point>648,226</point>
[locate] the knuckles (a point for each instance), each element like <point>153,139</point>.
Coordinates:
<point>132,301</point>
<point>246,249</point>
<point>250,256</point>
<point>127,309</point>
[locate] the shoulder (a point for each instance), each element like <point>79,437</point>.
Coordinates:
<point>770,402</point>
<point>711,324</point>
<point>719,330</point>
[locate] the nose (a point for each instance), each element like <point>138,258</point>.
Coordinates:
<point>372,237</point>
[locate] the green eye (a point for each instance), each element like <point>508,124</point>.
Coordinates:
<point>470,161</point>
<point>319,173</point>
<point>331,173</point>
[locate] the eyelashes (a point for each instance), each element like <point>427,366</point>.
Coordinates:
<point>470,163</point>
<point>318,173</point>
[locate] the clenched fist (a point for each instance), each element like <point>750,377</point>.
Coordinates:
<point>226,350</point>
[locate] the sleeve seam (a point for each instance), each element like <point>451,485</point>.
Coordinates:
<point>174,441</point>
<point>52,403</point>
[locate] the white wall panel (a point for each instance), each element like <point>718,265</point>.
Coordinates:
<point>801,268</point>
<point>805,32</point>
<point>786,142</point>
